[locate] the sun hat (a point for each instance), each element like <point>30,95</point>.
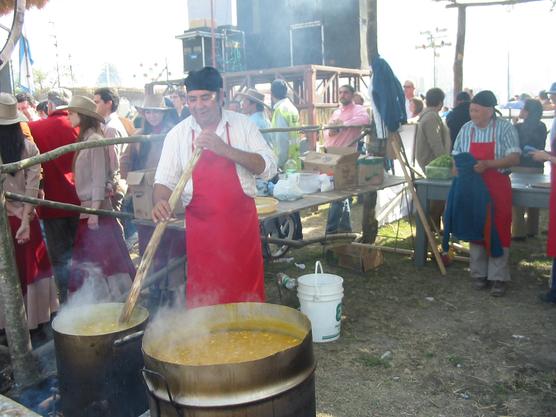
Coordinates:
<point>253,95</point>
<point>8,110</point>
<point>485,98</point>
<point>86,106</point>
<point>153,102</point>
<point>552,89</point>
<point>207,78</point>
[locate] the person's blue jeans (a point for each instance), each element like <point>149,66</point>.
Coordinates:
<point>339,218</point>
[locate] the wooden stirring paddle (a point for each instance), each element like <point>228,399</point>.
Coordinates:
<point>148,256</point>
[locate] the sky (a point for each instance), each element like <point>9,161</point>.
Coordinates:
<point>137,39</point>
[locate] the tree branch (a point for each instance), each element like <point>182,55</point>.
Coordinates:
<point>48,156</point>
<point>64,206</point>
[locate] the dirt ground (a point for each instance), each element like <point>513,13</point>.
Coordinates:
<point>415,343</point>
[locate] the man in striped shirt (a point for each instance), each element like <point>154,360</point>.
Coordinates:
<point>495,145</point>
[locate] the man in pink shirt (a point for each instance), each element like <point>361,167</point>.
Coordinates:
<point>349,114</point>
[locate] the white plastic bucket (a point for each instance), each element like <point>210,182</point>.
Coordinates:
<point>320,296</point>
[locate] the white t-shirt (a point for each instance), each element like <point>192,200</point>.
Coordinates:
<point>244,135</point>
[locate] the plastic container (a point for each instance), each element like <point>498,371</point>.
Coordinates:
<point>320,297</point>
<point>438,173</point>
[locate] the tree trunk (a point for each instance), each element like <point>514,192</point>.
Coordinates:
<point>23,363</point>
<point>460,46</point>
<point>372,30</point>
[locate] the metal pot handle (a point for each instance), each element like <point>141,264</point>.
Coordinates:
<point>129,338</point>
<point>161,377</point>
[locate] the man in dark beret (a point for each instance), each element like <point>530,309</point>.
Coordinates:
<point>224,260</point>
<point>494,144</point>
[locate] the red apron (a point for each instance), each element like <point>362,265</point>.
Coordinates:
<point>224,259</point>
<point>499,187</point>
<point>551,242</point>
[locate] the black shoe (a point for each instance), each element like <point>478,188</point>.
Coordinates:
<point>548,297</point>
<point>480,283</point>
<point>498,289</point>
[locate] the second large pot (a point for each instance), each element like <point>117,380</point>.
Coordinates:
<point>99,373</point>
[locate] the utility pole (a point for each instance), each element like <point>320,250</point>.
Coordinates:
<point>57,55</point>
<point>434,42</point>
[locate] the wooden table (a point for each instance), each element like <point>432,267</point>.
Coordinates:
<point>524,194</point>
<point>317,199</point>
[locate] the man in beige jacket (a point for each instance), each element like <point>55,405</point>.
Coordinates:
<point>432,137</point>
<point>432,140</point>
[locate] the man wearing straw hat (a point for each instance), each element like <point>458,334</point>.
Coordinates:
<point>224,260</point>
<point>253,105</point>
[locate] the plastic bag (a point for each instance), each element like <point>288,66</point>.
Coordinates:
<point>326,183</point>
<point>287,190</point>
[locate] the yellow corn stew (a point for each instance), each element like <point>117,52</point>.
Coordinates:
<point>100,319</point>
<point>226,347</point>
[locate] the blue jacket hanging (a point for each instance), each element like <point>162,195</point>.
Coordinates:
<point>388,95</point>
<point>469,214</point>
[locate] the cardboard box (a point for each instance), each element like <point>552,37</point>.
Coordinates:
<point>339,162</point>
<point>140,184</point>
<point>370,170</point>
<point>357,258</point>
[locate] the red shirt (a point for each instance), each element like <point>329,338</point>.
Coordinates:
<point>49,134</point>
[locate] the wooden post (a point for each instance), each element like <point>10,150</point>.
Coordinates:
<point>24,366</point>
<point>460,46</point>
<point>369,223</point>
<point>372,30</point>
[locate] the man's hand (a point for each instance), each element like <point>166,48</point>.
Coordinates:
<point>161,211</point>
<point>211,141</point>
<point>23,234</point>
<point>481,166</point>
<point>540,156</point>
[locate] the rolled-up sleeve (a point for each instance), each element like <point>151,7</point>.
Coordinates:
<point>510,141</point>
<point>257,144</point>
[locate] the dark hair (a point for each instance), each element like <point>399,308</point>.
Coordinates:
<point>534,110</point>
<point>107,94</point>
<point>543,95</point>
<point>139,158</point>
<point>12,143</point>
<point>418,104</point>
<point>434,97</point>
<point>349,87</point>
<point>279,89</point>
<point>463,96</point>
<point>21,97</point>
<point>86,123</point>
<point>43,106</point>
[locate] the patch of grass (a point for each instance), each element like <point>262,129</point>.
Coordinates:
<point>371,361</point>
<point>455,360</point>
<point>429,355</point>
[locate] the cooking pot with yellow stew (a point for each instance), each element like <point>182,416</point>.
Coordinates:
<point>99,361</point>
<point>230,360</point>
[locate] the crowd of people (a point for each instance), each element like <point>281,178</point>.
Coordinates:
<point>72,247</point>
<point>498,147</point>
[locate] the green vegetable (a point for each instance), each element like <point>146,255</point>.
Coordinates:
<point>444,161</point>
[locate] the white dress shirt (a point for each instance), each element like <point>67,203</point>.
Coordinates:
<point>244,135</point>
